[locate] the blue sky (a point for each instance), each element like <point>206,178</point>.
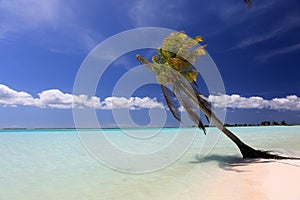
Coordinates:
<point>43,43</point>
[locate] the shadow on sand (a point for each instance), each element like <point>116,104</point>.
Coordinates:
<point>229,162</point>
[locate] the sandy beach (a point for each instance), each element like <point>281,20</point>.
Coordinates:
<point>261,180</point>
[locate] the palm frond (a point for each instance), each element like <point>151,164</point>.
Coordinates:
<point>172,102</point>
<point>203,103</point>
<point>189,107</point>
<point>173,65</point>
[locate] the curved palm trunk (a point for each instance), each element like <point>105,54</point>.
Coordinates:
<point>182,88</point>
<point>246,151</point>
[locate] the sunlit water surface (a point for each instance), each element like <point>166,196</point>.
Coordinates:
<point>53,164</point>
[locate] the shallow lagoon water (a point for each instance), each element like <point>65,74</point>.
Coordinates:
<point>54,164</point>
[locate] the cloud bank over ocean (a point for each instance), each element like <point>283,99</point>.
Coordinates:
<point>291,102</point>
<point>55,98</point>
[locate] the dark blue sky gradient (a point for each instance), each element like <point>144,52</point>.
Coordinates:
<point>43,45</point>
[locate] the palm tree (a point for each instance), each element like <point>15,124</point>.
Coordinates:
<point>174,66</point>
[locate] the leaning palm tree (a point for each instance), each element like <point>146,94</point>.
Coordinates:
<point>173,66</point>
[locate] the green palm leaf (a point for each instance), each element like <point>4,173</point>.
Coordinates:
<point>173,65</point>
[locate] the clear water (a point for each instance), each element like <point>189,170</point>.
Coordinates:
<point>53,164</point>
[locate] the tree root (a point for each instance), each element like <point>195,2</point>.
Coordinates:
<point>249,152</point>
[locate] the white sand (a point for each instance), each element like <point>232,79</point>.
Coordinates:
<point>262,180</point>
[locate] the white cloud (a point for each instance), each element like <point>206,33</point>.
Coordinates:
<point>117,102</point>
<point>10,97</point>
<point>54,98</point>
<point>291,102</point>
<point>147,102</point>
<point>236,101</point>
<point>133,103</point>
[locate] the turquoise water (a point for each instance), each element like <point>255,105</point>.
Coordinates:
<point>54,164</point>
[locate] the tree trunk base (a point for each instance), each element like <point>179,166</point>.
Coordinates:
<point>249,152</point>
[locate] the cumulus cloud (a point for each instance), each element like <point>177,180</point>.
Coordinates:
<point>147,102</point>
<point>133,103</point>
<point>10,97</point>
<point>55,98</point>
<point>291,102</point>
